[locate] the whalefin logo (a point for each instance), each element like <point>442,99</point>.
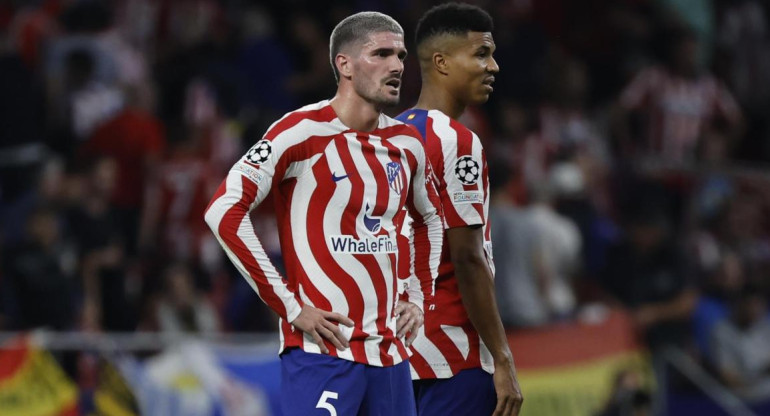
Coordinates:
<point>375,244</point>
<point>395,182</point>
<point>371,223</point>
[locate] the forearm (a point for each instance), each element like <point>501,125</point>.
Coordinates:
<point>228,218</point>
<point>678,308</point>
<point>477,290</point>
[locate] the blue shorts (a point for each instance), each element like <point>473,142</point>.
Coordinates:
<point>321,385</point>
<point>468,393</point>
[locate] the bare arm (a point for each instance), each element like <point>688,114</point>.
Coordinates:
<point>477,288</point>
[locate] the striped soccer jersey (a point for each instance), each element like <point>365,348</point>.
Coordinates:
<point>339,198</point>
<point>678,110</point>
<point>448,341</point>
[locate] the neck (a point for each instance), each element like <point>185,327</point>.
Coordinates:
<point>354,111</point>
<point>435,97</point>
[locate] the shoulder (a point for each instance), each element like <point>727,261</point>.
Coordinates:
<point>445,127</point>
<point>303,121</point>
<point>392,128</point>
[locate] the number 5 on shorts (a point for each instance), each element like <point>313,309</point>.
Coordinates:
<point>323,404</point>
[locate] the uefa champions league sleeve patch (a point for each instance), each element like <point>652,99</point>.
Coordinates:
<point>467,170</point>
<point>259,153</point>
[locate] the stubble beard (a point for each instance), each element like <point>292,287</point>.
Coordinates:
<point>377,96</point>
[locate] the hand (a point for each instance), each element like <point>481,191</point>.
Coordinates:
<point>509,397</point>
<point>410,319</point>
<point>644,317</point>
<point>322,325</point>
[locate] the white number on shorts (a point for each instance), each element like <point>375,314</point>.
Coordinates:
<point>323,404</point>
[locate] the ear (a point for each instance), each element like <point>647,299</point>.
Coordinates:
<point>441,63</point>
<point>344,65</point>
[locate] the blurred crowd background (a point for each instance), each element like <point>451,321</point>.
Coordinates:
<point>628,142</point>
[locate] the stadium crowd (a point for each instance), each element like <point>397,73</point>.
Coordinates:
<point>628,144</point>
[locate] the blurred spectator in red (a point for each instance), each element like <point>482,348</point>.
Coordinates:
<point>211,132</point>
<point>135,139</point>
<point>740,345</point>
<point>32,26</point>
<point>183,309</point>
<point>679,103</point>
<point>176,202</point>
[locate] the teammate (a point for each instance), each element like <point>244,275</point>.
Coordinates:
<point>340,172</point>
<point>463,342</point>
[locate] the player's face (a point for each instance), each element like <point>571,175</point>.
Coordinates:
<point>473,67</point>
<point>378,68</point>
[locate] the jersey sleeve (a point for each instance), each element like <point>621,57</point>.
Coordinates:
<point>725,105</point>
<point>462,182</point>
<point>636,94</point>
<point>246,186</point>
<point>427,234</point>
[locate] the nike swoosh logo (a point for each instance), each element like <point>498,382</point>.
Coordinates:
<point>336,178</point>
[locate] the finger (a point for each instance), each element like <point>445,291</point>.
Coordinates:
<point>337,334</point>
<point>344,320</point>
<point>509,407</point>
<point>329,335</point>
<point>318,340</point>
<point>407,326</point>
<point>400,325</point>
<point>400,308</point>
<point>518,402</point>
<point>515,406</point>
<point>412,337</point>
<point>499,407</point>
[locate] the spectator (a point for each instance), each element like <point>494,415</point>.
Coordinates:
<point>646,273</point>
<point>740,345</point>
<point>109,305</point>
<point>135,139</point>
<point>521,286</point>
<point>38,276</point>
<point>628,396</point>
<point>182,308</point>
<point>679,103</point>
<point>558,246</point>
<point>724,283</point>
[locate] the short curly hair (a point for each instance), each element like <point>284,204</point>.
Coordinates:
<point>356,28</point>
<point>454,19</point>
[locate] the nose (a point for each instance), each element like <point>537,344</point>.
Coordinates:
<point>492,66</point>
<point>397,65</point>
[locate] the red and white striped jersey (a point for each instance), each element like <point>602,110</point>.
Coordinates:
<point>339,197</point>
<point>678,109</point>
<point>448,342</point>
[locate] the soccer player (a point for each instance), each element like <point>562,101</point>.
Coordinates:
<point>341,173</point>
<point>461,363</point>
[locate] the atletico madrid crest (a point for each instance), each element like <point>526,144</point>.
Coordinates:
<point>394,177</point>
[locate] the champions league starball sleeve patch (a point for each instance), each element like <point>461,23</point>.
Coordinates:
<point>467,170</point>
<point>259,153</point>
